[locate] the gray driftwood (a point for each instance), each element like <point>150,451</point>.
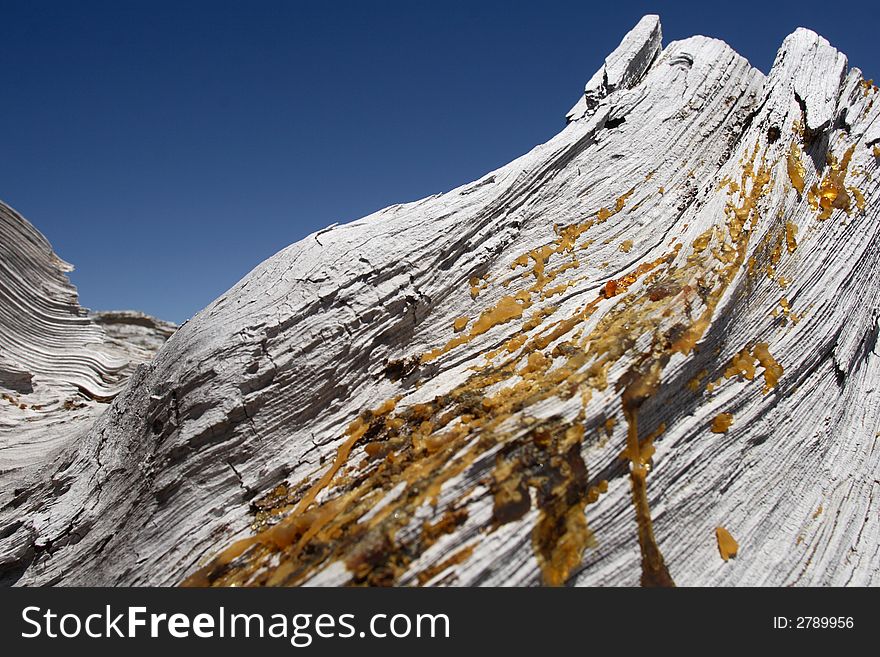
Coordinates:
<point>706,237</point>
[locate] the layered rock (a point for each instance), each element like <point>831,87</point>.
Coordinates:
<point>642,352</point>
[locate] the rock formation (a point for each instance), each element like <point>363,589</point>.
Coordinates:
<point>644,352</point>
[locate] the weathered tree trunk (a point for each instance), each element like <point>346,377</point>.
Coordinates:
<point>642,352</point>
<point>59,366</point>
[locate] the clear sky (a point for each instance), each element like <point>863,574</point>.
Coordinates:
<point>166,148</point>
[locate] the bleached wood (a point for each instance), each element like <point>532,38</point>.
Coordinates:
<point>59,366</point>
<point>623,68</point>
<point>259,388</point>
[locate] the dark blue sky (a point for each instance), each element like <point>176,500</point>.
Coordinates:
<point>166,148</point>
